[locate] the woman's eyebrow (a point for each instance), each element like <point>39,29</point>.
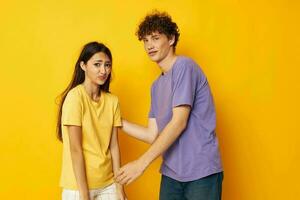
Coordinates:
<point>98,60</point>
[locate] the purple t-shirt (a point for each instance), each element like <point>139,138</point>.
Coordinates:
<point>195,153</point>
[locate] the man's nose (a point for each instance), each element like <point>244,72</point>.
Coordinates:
<point>149,46</point>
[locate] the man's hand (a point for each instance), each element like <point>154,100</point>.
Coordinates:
<point>130,172</point>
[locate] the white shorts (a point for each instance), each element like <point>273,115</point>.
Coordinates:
<point>107,193</point>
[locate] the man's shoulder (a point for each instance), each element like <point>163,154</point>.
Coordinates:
<point>185,63</point>
<point>185,60</point>
<point>188,64</point>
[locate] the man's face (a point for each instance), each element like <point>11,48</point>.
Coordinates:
<point>158,46</point>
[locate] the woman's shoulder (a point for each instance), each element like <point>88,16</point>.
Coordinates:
<point>74,92</point>
<point>111,97</point>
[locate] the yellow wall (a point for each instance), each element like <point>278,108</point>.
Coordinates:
<point>248,49</point>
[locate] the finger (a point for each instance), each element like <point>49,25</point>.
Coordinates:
<point>121,178</point>
<point>121,171</point>
<point>125,180</point>
<point>129,181</point>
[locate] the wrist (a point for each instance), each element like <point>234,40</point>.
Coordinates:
<point>143,162</point>
<point>119,186</point>
<point>85,195</point>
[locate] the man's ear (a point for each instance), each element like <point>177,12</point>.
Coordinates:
<point>82,65</point>
<point>172,40</point>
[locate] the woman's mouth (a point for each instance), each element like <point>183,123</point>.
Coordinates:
<point>102,78</point>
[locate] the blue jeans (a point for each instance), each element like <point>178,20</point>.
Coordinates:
<point>207,188</point>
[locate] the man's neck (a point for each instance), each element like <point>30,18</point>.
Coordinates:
<point>167,63</point>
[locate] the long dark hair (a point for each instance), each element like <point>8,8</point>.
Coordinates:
<point>78,77</point>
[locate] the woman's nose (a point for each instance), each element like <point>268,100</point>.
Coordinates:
<point>102,69</point>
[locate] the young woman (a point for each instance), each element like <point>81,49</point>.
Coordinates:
<point>87,125</point>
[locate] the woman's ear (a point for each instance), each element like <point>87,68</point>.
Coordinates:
<point>82,65</point>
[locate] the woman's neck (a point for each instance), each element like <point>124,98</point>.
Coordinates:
<point>92,90</point>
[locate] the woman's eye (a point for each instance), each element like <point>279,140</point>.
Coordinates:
<point>97,64</point>
<point>108,65</point>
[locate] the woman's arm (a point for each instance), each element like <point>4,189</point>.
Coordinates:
<point>147,134</point>
<point>78,162</point>
<point>115,154</point>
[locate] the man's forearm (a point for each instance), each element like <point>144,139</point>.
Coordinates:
<point>165,139</point>
<point>137,131</point>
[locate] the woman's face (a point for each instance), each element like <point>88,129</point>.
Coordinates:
<point>97,68</point>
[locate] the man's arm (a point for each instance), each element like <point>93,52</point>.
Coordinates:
<point>170,133</point>
<point>147,134</point>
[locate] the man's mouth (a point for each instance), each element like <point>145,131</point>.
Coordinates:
<point>152,53</point>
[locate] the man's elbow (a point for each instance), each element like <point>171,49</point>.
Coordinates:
<point>183,125</point>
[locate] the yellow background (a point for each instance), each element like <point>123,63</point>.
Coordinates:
<point>249,51</point>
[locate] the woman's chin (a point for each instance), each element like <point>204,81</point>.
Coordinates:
<point>101,82</point>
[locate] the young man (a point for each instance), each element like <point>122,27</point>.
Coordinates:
<point>181,123</point>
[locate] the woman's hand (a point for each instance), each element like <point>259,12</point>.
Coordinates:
<point>121,192</point>
<point>85,196</point>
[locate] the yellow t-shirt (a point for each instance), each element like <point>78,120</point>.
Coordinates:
<point>97,120</point>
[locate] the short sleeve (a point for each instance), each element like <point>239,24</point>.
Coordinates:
<point>117,115</point>
<point>151,112</point>
<point>185,82</point>
<point>72,110</point>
